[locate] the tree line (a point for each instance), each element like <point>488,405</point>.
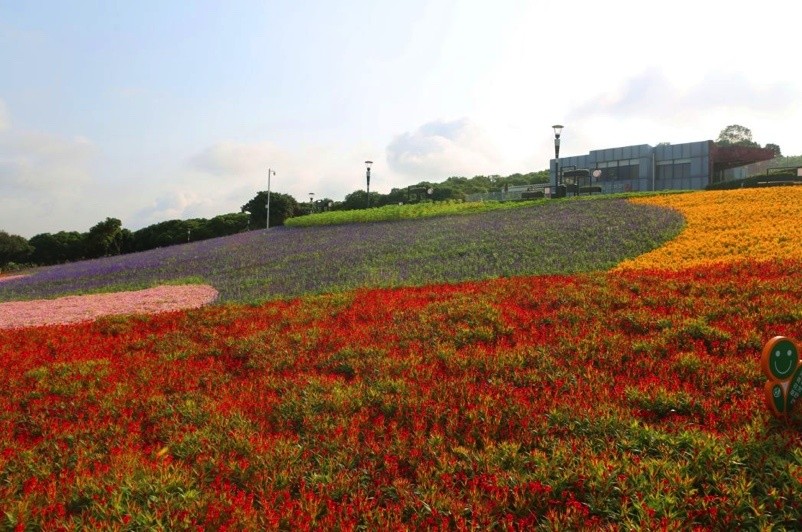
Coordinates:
<point>109,237</point>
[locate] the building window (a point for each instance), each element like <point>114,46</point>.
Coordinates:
<point>615,170</point>
<point>674,170</point>
<point>629,169</point>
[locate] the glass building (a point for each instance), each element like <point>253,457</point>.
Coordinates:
<point>689,166</point>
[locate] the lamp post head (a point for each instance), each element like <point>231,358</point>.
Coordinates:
<point>368,163</point>
<point>558,129</point>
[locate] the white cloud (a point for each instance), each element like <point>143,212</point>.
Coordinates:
<point>233,172</point>
<point>42,163</point>
<point>44,182</point>
<point>653,95</point>
<point>5,121</point>
<point>172,205</point>
<point>441,149</point>
<point>237,159</point>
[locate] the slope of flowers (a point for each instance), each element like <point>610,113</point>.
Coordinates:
<point>10,277</point>
<point>629,399</point>
<point>405,212</point>
<point>558,237</point>
<point>761,224</point>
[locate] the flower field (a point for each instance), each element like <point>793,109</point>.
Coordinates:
<point>626,399</point>
<point>414,211</point>
<point>561,237</point>
<point>72,309</point>
<point>760,224</point>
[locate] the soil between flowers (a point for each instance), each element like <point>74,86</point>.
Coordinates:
<point>73,309</point>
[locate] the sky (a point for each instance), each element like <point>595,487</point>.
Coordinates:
<point>148,111</point>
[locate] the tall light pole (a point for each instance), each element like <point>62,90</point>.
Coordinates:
<point>558,129</point>
<point>311,202</point>
<point>367,164</point>
<point>267,218</point>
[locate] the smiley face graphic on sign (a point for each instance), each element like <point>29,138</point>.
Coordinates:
<point>781,366</point>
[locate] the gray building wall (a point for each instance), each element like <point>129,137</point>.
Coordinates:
<point>643,167</point>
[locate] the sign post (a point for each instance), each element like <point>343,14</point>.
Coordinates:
<point>783,369</point>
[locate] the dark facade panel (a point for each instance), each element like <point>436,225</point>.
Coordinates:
<point>644,167</point>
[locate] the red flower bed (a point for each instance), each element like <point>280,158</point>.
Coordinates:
<point>631,399</point>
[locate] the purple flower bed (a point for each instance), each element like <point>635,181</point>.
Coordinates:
<point>558,237</point>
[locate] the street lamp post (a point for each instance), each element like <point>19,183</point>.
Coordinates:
<point>367,164</point>
<point>267,218</point>
<point>311,202</point>
<point>557,131</point>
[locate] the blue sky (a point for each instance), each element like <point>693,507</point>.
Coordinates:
<point>148,111</point>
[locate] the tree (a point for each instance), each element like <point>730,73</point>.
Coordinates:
<point>282,206</point>
<point>229,224</point>
<point>168,233</point>
<point>56,248</point>
<point>736,135</point>
<point>775,148</point>
<point>106,238</point>
<point>396,196</point>
<point>358,199</point>
<point>13,248</point>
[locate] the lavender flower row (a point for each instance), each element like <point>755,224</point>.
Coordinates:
<point>559,237</point>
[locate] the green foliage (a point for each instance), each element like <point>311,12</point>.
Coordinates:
<point>105,238</point>
<point>404,212</point>
<point>736,135</point>
<point>64,246</point>
<point>162,234</point>
<point>359,200</point>
<point>228,224</point>
<point>454,188</point>
<point>13,248</point>
<point>775,148</point>
<point>786,162</point>
<point>174,232</point>
<point>756,181</point>
<point>282,206</point>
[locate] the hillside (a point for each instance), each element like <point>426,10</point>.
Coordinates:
<point>557,237</point>
<point>633,398</point>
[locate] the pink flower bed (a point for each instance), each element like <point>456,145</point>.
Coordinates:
<point>73,309</point>
<point>9,277</point>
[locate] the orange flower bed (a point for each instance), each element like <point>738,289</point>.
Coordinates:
<point>729,225</point>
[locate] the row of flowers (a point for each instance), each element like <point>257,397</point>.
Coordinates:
<point>629,398</point>
<point>558,237</point>
<point>760,224</point>
<point>72,309</point>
